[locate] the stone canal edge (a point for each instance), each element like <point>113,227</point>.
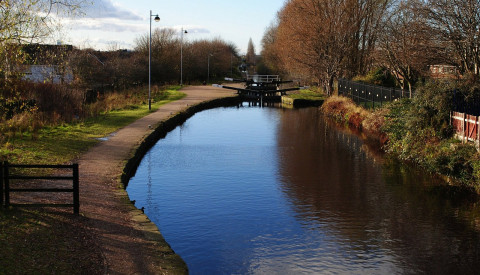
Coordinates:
<point>129,242</point>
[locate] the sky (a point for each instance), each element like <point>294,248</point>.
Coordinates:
<point>115,24</point>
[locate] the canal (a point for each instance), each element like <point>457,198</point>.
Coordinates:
<point>249,190</point>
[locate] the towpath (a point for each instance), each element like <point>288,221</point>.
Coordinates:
<point>130,243</point>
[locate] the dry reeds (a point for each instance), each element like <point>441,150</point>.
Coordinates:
<point>56,104</point>
<point>344,110</point>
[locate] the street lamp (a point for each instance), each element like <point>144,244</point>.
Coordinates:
<point>157,19</point>
<point>208,68</point>
<point>181,57</point>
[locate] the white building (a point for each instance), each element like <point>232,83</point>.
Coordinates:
<point>48,74</point>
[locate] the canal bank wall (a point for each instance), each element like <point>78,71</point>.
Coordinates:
<point>129,242</point>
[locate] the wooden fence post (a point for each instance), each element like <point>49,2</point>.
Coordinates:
<point>1,183</point>
<point>477,141</point>
<point>76,190</point>
<point>463,127</point>
<point>7,184</point>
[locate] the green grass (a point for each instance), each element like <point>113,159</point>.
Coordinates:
<point>63,143</point>
<point>307,95</point>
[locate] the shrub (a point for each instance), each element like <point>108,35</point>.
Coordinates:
<point>431,107</point>
<point>396,119</point>
<point>343,109</point>
<point>378,76</point>
<point>57,103</point>
<point>418,130</point>
<point>374,122</point>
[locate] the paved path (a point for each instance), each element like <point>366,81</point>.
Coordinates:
<point>130,243</point>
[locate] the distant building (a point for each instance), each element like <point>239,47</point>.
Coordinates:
<point>48,74</point>
<point>444,71</point>
<point>46,63</point>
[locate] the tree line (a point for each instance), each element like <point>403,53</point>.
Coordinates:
<point>122,69</point>
<point>31,22</point>
<point>348,38</point>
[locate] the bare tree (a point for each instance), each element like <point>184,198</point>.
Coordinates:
<point>316,30</point>
<point>29,21</point>
<point>320,40</point>
<point>407,44</point>
<point>365,19</point>
<point>165,54</point>
<point>458,23</point>
<point>270,54</point>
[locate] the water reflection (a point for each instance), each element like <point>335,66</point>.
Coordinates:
<point>379,212</point>
<point>274,191</point>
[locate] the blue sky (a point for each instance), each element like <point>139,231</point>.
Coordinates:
<point>109,24</point>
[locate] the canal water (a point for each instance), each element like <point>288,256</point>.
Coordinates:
<point>250,190</point>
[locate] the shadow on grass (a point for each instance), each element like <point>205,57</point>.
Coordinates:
<point>47,241</point>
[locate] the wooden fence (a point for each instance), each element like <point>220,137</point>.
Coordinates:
<point>6,190</point>
<point>466,127</point>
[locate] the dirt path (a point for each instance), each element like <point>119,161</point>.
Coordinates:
<point>130,243</point>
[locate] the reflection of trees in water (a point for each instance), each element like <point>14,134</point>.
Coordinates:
<point>374,207</point>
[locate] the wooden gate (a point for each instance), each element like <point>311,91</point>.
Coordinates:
<point>6,190</point>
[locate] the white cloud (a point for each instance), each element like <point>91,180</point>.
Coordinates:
<point>102,44</point>
<point>108,9</point>
<point>110,25</point>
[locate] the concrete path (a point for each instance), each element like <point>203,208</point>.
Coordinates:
<point>130,243</point>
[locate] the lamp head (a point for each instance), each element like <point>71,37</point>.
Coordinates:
<point>157,19</point>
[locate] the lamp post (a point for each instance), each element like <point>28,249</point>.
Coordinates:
<point>157,19</point>
<point>181,57</point>
<point>208,68</point>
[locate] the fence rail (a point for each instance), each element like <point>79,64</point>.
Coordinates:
<point>6,190</point>
<point>370,96</point>
<point>466,127</point>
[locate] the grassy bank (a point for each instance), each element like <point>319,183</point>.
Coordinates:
<point>308,94</point>
<point>301,98</point>
<point>53,241</point>
<point>404,134</point>
<point>56,144</point>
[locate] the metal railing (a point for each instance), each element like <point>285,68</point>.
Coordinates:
<point>263,78</point>
<point>370,96</point>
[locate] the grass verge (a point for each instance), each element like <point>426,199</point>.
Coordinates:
<point>65,142</point>
<point>307,95</point>
<point>304,98</point>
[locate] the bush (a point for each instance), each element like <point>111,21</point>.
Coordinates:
<point>378,76</point>
<point>396,119</point>
<point>57,103</point>
<point>343,109</point>
<point>431,107</point>
<point>418,131</point>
